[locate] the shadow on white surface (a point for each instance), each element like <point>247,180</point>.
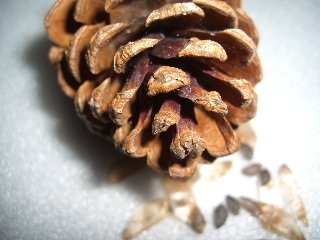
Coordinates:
<point>70,130</point>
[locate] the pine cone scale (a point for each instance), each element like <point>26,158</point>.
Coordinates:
<point>56,22</point>
<point>88,11</point>
<point>78,45</point>
<point>218,14</point>
<point>167,116</point>
<point>166,79</point>
<point>130,50</point>
<point>120,109</point>
<point>101,50</point>
<point>180,13</point>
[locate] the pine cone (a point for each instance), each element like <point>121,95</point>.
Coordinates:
<point>166,80</point>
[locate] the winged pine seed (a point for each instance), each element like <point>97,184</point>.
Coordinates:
<point>220,216</point>
<point>252,169</point>
<point>233,205</point>
<point>264,176</point>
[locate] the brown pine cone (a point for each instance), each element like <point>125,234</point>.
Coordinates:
<point>166,80</point>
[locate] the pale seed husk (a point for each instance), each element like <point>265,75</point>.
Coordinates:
<point>182,203</point>
<point>147,216</point>
<point>291,195</point>
<point>268,189</point>
<point>248,139</point>
<point>273,218</point>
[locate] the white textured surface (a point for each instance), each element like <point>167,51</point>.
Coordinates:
<point>52,171</point>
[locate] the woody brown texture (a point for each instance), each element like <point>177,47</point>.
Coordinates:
<point>165,80</point>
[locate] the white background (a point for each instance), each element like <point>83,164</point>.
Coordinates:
<point>53,171</point>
